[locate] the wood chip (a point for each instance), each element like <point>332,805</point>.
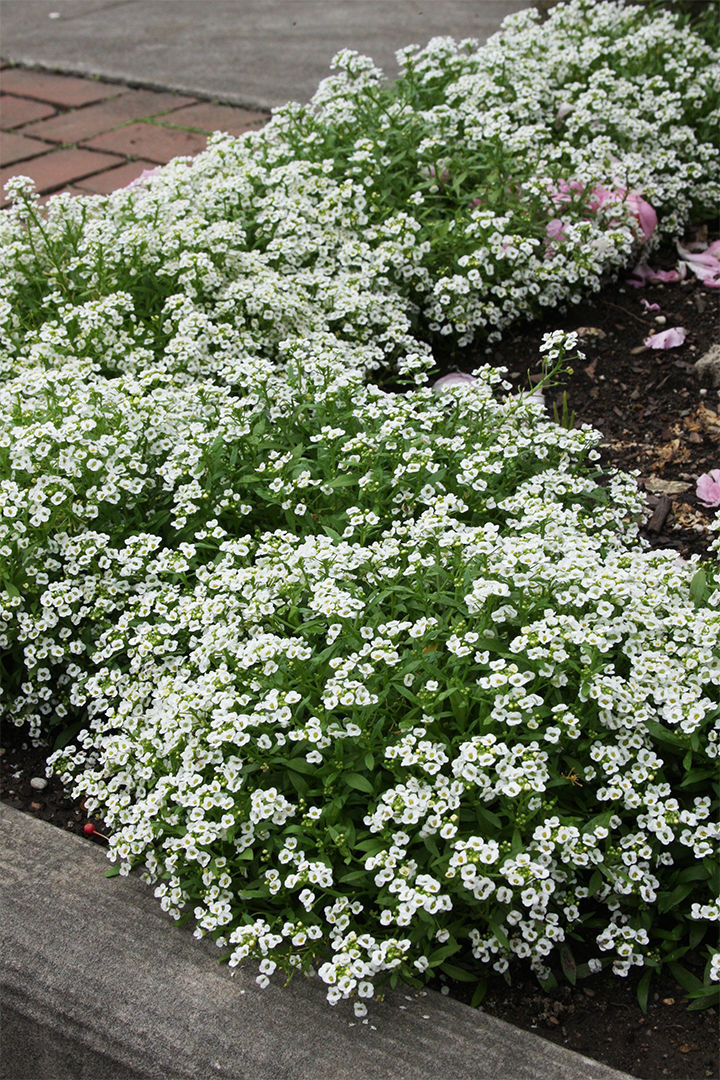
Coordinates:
<point>665,487</point>
<point>660,513</point>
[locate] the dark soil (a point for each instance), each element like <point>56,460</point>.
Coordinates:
<point>655,416</point>
<point>658,420</point>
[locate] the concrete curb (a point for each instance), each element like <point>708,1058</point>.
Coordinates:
<point>98,984</point>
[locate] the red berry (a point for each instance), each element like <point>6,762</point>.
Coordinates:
<point>89,829</point>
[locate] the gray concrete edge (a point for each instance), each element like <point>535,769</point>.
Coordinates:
<point>97,982</point>
<point>164,86</point>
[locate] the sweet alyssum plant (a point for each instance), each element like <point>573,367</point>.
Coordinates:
<point>378,684</point>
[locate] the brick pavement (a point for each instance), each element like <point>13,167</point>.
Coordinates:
<point>92,137</point>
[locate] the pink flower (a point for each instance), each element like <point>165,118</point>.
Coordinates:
<point>704,262</point>
<point>708,488</point>
<point>455,378</point>
<point>667,339</point>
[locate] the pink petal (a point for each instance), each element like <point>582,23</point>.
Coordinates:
<point>647,306</point>
<point>640,208</point>
<point>708,488</point>
<point>455,378</point>
<point>643,211</point>
<point>667,339</point>
<point>565,191</point>
<point>555,229</point>
<point>647,275</point>
<point>144,175</point>
<point>703,261</point>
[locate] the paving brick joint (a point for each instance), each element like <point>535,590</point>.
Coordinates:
<point>88,136</point>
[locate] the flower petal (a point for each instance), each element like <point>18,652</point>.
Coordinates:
<point>648,276</point>
<point>708,488</point>
<point>667,339</point>
<point>703,261</point>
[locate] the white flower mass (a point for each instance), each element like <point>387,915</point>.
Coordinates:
<point>369,681</point>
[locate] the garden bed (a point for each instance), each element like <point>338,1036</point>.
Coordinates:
<point>600,1018</point>
<point>382,684</point>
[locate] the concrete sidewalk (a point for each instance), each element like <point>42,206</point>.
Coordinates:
<point>258,53</point>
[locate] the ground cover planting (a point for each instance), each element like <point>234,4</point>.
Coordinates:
<point>369,677</point>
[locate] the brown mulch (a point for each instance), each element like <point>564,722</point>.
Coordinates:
<point>656,419</point>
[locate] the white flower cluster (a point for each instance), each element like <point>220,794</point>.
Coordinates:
<point>501,158</point>
<point>359,679</point>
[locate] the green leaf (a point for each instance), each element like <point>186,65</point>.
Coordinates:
<point>710,997</point>
<point>457,973</point>
<point>342,482</point>
<point>301,786</point>
<point>595,883</point>
<point>697,933</point>
<point>670,899</point>
<point>355,877</point>
<point>358,782</point>
<point>698,587</point>
<point>643,990</point>
<point>662,734</point>
<point>685,978</point>
<point>67,734</point>
<point>298,765</point>
<point>567,961</point>
<point>479,995</point>
<point>548,984</point>
<point>114,871</point>
<point>499,933</point>
<point>487,816</point>
<point>443,953</point>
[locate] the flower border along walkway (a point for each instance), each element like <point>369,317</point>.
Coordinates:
<point>98,983</point>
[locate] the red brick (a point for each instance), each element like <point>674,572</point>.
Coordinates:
<point>208,117</point>
<point>62,167</point>
<point>16,111</point>
<point>64,90</point>
<point>82,124</point>
<point>16,147</point>
<point>105,182</point>
<point>150,141</point>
